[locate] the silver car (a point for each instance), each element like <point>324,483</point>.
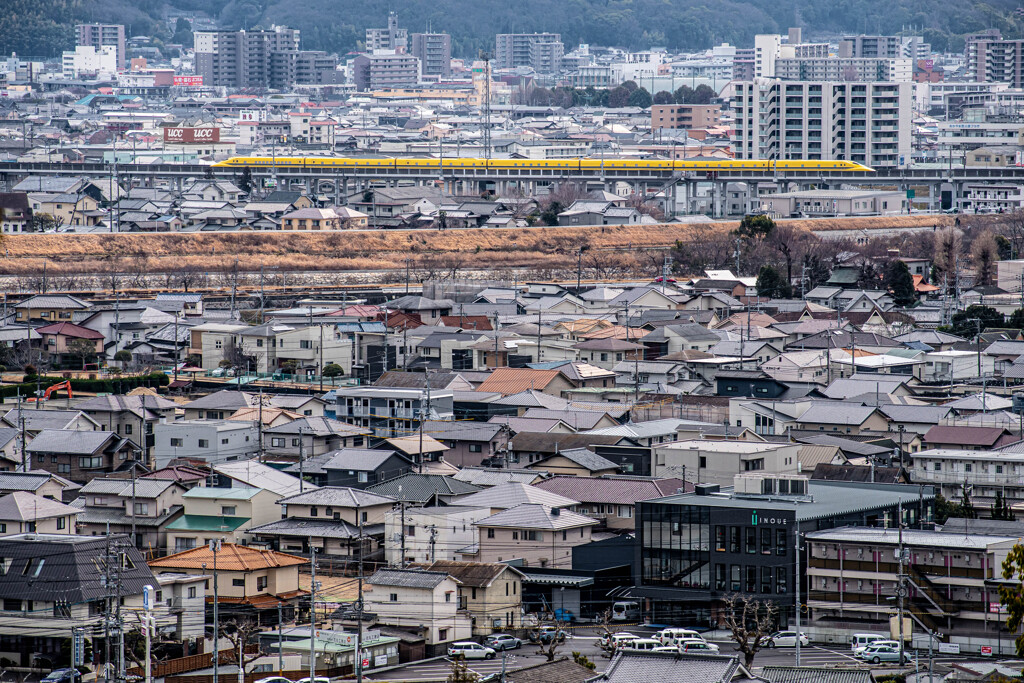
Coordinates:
<point>876,654</point>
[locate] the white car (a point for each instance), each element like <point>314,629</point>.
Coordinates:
<point>319,679</point>
<point>787,639</point>
<point>470,650</point>
<point>888,643</point>
<point>275,679</point>
<point>697,646</point>
<point>617,640</point>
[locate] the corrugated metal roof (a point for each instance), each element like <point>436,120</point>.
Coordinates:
<point>534,516</point>
<point>408,578</point>
<point>511,494</point>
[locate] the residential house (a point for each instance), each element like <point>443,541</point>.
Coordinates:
<point>968,438</point>
<point>609,352</point>
<point>490,591</point>
<point>123,506</point>
<point>131,416</point>
<point>39,482</point>
<point>220,514</point>
<point>49,308</point>
<point>252,582</point>
<point>313,219</point>
<point>252,474</point>
<point>612,499</point>
<point>419,599</point>
<point>575,462</point>
<point>468,443</point>
<point>535,534</point>
<point>50,584</point>
<point>508,381</point>
<point>80,456</point>
<point>71,344</point>
<point>340,522</point>
<point>316,435</point>
<point>424,489</point>
<point>15,212</point>
<point>425,534</point>
<point>213,441</point>
<point>717,462</point>
<point>24,512</point>
<point>360,467</point>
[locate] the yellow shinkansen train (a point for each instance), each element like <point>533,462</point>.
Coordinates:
<point>579,164</point>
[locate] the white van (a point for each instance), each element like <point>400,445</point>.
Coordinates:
<point>644,644</point>
<point>674,636</point>
<point>860,640</point>
<point>625,611</point>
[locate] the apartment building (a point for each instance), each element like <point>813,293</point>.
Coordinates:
<point>100,35</point>
<point>434,50</point>
<point>247,59</point>
<point>866,70</point>
<point>315,67</point>
<point>853,572</point>
<point>985,473</point>
<point>869,123</point>
<point>993,60</point>
<point>884,47</point>
<point>685,116</point>
<point>390,38</point>
<point>391,411</point>
<point>385,69</point>
<point>540,51</point>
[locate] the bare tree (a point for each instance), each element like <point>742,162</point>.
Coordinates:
<point>548,639</point>
<point>240,634</point>
<point>984,253</point>
<point>1011,226</point>
<point>948,250</point>
<point>751,622</point>
<point>645,207</point>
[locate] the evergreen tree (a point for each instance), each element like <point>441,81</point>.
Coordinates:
<point>900,282</point>
<point>771,284</point>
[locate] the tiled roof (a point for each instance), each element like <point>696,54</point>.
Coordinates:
<point>586,458</point>
<point>511,494</point>
<point>473,574</point>
<point>407,578</point>
<point>657,667</point>
<point>965,436</point>
<point>69,330</point>
<point>509,381</point>
<point>22,506</point>
<point>534,516</point>
<point>811,674</point>
<point>615,490</point>
<point>422,487</point>
<point>69,441</point>
<point>338,496</point>
<point>232,557</point>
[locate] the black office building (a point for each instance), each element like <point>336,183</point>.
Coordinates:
<point>696,549</point>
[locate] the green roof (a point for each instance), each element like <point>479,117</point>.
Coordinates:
<point>225,493</point>
<point>206,523</point>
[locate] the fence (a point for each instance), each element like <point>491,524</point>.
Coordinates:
<point>202,660</point>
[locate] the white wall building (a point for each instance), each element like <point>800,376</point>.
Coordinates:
<point>86,61</point>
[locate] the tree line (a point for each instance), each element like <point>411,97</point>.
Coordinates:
<point>628,94</point>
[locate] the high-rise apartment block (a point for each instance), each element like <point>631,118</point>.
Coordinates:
<point>247,59</point>
<point>685,116</point>
<point>869,123</point>
<point>540,51</point>
<point>434,50</point>
<point>100,35</point>
<point>390,38</point>
<point>385,69</point>
<point>865,59</point>
<point>996,61</point>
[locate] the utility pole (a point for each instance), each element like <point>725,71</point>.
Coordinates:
<point>901,588</point>
<point>312,611</point>
<point>280,640</point>
<point>215,548</point>
<point>359,604</point>
<point>301,460</point>
<point>796,584</point>
<point>433,541</point>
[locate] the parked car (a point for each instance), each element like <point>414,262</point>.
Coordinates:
<point>641,644</point>
<point>503,641</point>
<point>876,654</point>
<point>674,636</point>
<point>319,679</point>
<point>887,643</point>
<point>470,650</point>
<point>275,679</point>
<point>546,633</point>
<point>697,646</point>
<point>616,640</point>
<point>64,676</point>
<point>564,615</point>
<point>787,639</point>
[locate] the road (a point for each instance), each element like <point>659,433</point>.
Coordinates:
<point>813,656</point>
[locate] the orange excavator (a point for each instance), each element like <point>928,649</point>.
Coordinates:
<point>65,385</point>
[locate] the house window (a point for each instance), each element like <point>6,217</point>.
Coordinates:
<point>191,591</point>
<point>127,429</point>
<point>490,533</point>
<point>12,605</point>
<point>142,508</point>
<point>295,442</point>
<point>394,597</point>
<point>751,540</point>
<point>734,578</point>
<point>227,510</point>
<point>476,448</point>
<point>238,583</point>
<point>362,477</point>
<point>411,530</point>
<point>177,443</point>
<point>181,544</point>
<point>277,442</point>
<point>90,462</point>
<point>442,634</point>
<point>447,597</point>
<point>720,539</point>
<point>61,523</point>
<point>261,583</point>
<point>312,511</point>
<point>204,443</point>
<point>734,539</point>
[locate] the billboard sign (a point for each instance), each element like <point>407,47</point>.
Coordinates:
<point>191,135</point>
<point>188,81</point>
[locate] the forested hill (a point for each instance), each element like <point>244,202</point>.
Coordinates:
<point>44,28</point>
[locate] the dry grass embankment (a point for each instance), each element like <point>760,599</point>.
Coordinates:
<point>364,250</point>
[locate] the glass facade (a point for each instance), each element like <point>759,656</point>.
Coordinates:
<point>676,546</point>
